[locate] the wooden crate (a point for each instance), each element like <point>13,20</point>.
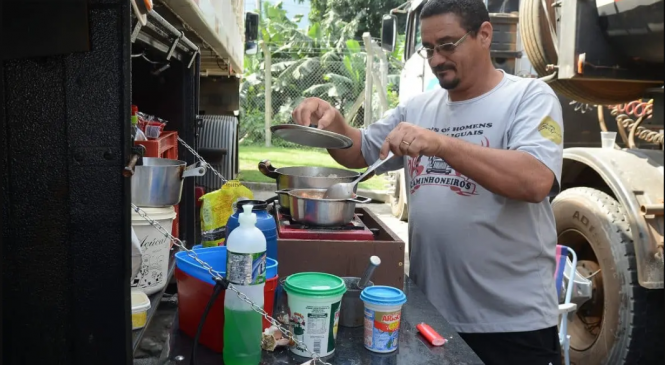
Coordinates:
<point>346,258</point>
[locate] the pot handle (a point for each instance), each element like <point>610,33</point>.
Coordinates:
<point>192,170</point>
<point>282,192</point>
<point>360,199</point>
<point>272,199</point>
<point>267,169</point>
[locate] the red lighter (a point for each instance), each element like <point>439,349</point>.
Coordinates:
<point>430,334</point>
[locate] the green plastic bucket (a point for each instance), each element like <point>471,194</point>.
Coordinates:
<point>314,302</point>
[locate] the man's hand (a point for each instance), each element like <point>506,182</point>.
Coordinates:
<point>319,112</point>
<point>410,140</point>
<point>325,116</point>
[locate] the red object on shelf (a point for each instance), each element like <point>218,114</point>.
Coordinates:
<point>166,146</point>
<point>354,231</point>
<point>193,297</point>
<point>431,335</point>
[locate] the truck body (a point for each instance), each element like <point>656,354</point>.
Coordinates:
<point>604,60</point>
<point>69,75</point>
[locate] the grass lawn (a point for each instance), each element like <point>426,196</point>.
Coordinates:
<point>250,156</point>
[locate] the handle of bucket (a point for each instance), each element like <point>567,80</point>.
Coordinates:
<point>220,286</point>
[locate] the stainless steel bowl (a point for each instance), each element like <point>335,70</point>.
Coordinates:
<point>307,206</point>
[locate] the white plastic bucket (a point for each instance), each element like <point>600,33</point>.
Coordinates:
<point>383,316</point>
<point>314,302</point>
<point>155,248</point>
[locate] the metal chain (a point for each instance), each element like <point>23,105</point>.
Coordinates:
<point>203,162</point>
<point>191,253</point>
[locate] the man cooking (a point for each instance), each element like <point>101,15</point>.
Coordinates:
<point>481,155</point>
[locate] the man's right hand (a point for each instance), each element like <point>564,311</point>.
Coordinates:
<point>314,111</point>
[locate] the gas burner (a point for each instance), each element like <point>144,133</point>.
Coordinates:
<point>355,225</point>
<point>353,231</point>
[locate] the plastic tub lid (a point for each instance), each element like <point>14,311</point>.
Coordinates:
<point>383,295</point>
<point>140,301</point>
<point>315,284</point>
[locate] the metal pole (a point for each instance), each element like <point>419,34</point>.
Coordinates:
<point>369,70</point>
<point>267,62</point>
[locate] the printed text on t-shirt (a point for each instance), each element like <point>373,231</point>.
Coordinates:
<point>436,171</point>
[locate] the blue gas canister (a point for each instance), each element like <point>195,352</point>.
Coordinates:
<point>264,221</point>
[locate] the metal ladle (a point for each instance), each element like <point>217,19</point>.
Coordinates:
<point>345,190</point>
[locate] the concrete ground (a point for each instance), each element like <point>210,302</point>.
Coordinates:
<point>153,341</point>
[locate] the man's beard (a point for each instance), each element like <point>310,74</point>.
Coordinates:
<point>448,85</point>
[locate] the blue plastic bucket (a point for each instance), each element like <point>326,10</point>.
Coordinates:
<point>216,258</point>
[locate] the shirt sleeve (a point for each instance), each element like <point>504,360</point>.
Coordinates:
<point>537,129</point>
<point>374,136</point>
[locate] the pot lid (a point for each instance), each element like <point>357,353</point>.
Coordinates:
<point>311,136</point>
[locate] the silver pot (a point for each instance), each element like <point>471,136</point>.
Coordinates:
<point>307,206</point>
<point>158,181</point>
<point>306,177</point>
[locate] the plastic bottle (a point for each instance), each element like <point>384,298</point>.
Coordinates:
<point>137,134</point>
<point>246,270</point>
<point>134,120</point>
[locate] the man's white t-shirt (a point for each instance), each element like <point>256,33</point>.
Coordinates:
<point>485,261</point>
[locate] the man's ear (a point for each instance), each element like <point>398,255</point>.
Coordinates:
<point>485,34</point>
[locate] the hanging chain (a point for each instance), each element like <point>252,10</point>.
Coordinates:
<point>191,253</point>
<point>203,162</point>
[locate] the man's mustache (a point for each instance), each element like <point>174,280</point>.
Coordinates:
<point>444,67</point>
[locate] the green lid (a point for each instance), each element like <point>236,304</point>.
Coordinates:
<point>315,284</point>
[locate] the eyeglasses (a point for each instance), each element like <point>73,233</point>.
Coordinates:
<point>442,49</point>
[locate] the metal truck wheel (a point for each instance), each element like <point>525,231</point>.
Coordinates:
<point>398,200</point>
<point>623,322</point>
<point>539,47</point>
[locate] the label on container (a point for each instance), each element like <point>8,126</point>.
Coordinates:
<point>246,268</point>
<point>382,330</point>
<point>153,273</point>
<point>315,326</point>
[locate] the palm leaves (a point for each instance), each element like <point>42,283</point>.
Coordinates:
<point>323,62</point>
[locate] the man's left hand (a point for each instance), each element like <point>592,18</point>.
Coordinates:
<point>410,140</point>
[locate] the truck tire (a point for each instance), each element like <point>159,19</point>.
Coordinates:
<point>623,322</point>
<point>398,200</point>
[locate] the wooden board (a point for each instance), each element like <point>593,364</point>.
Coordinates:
<point>346,258</point>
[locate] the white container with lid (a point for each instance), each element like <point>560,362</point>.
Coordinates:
<point>140,307</point>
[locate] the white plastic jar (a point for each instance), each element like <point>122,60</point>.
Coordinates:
<point>383,316</point>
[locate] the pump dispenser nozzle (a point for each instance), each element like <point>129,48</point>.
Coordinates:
<point>247,216</point>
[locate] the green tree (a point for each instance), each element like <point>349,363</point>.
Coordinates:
<point>324,61</point>
<point>367,13</point>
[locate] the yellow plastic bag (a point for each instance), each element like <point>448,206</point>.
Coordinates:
<point>216,208</point>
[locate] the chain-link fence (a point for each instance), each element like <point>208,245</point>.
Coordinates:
<point>337,78</point>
